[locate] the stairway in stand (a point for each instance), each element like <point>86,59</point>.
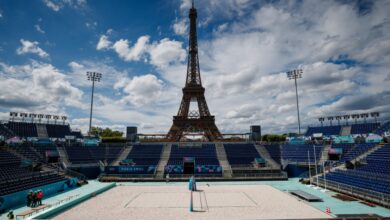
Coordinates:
<point>360,157</point>
<point>166,152</point>
<point>365,154</point>
<point>42,131</point>
<point>123,155</point>
<point>265,155</point>
<point>324,154</point>
<point>345,131</point>
<point>63,155</point>
<point>223,161</point>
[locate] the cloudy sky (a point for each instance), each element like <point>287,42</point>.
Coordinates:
<point>245,48</point>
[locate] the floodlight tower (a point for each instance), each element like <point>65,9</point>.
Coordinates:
<point>94,77</point>
<point>296,74</point>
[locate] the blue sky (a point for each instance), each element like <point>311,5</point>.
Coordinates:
<point>245,47</point>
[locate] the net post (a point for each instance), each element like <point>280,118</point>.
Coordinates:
<point>191,202</point>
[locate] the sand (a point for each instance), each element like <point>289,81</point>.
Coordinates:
<point>209,202</point>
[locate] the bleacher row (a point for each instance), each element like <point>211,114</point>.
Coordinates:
<point>5,132</point>
<point>26,129</point>
<point>204,155</point>
<point>372,175</point>
<point>301,152</point>
<point>356,129</point>
<point>80,155</point>
<point>238,154</point>
<point>15,178</point>
<point>145,154</point>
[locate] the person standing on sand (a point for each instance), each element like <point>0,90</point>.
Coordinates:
<point>10,215</point>
<point>29,199</point>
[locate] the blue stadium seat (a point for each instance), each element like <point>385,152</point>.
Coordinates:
<point>364,128</point>
<point>241,154</point>
<point>82,154</point>
<point>299,153</point>
<point>325,130</point>
<point>274,151</point>
<point>204,155</point>
<point>15,178</point>
<point>384,127</point>
<point>145,154</point>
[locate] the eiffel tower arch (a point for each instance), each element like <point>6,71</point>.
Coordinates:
<point>189,121</point>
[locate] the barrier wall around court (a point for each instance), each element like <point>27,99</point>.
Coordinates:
<point>198,169</point>
<point>19,198</point>
<point>136,169</point>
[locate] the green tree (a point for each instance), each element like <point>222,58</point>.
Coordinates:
<point>106,132</point>
<point>274,138</point>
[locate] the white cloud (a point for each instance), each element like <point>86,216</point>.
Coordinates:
<point>110,74</point>
<point>37,87</point>
<point>91,25</point>
<point>39,29</point>
<point>52,5</point>
<point>57,5</point>
<point>103,43</point>
<point>133,53</point>
<point>161,54</point>
<point>166,52</point>
<point>75,66</point>
<point>31,47</point>
<point>180,27</point>
<point>141,90</point>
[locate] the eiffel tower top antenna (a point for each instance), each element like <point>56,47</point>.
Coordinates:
<point>193,4</point>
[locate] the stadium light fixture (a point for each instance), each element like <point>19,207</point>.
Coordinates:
<point>48,117</point>
<point>13,115</point>
<point>296,74</point>
<point>40,116</point>
<point>63,119</point>
<point>375,115</point>
<point>364,116</point>
<point>330,119</point>
<point>32,116</point>
<point>24,116</point>
<point>94,77</point>
<point>322,119</point>
<point>346,117</point>
<point>56,117</point>
<point>338,118</point>
<point>355,116</point>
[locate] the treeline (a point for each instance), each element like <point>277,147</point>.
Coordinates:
<point>108,135</point>
<point>105,132</point>
<point>274,137</point>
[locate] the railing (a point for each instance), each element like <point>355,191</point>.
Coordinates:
<point>78,175</point>
<point>85,163</point>
<point>263,175</point>
<point>367,175</point>
<point>29,176</point>
<point>371,195</point>
<point>44,207</point>
<point>127,176</point>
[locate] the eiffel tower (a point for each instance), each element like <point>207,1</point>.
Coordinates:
<point>193,121</point>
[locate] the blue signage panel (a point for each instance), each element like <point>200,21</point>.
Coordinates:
<point>136,169</point>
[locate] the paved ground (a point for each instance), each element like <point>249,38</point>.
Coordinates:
<point>210,202</point>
